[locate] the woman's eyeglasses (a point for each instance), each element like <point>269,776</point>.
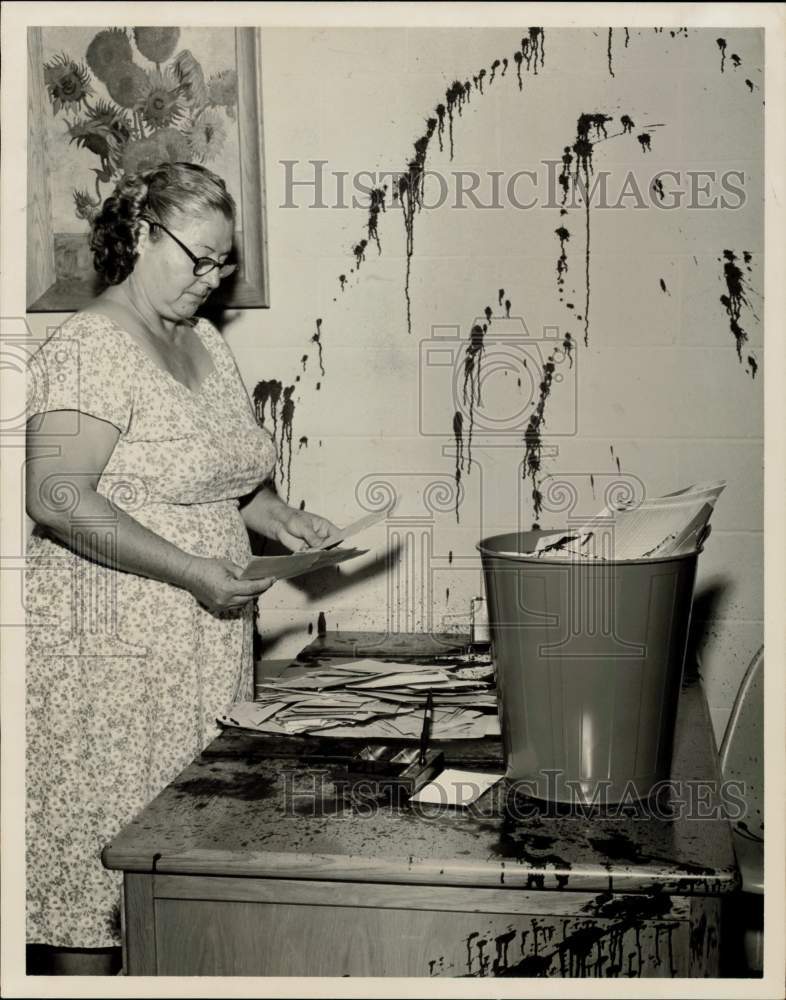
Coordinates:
<point>202,265</point>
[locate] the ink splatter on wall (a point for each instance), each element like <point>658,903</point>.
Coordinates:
<point>277,404</point>
<point>533,444</point>
<point>471,388</point>
<point>273,401</point>
<point>721,43</point>
<point>735,299</point>
<point>317,339</point>
<point>409,190</point>
<point>458,435</point>
<point>576,174</point>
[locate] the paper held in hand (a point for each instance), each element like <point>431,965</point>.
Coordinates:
<point>326,554</point>
<point>286,567</point>
<point>357,526</point>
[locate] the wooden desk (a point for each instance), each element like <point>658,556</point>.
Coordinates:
<point>249,863</point>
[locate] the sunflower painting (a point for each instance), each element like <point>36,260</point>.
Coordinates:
<point>123,99</point>
<point>136,97</point>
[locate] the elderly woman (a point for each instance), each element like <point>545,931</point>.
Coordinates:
<point>146,468</point>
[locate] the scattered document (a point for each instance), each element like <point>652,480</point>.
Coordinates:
<point>372,698</point>
<point>456,788</point>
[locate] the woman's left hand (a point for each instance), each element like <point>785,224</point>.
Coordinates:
<point>294,527</point>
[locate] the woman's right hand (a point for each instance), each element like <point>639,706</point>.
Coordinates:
<point>216,584</point>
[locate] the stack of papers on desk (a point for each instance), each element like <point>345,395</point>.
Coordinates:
<point>372,699</point>
<point>670,525</point>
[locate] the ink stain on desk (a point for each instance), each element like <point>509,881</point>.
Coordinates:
<point>244,787</point>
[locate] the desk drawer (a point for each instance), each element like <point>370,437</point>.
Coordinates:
<point>281,927</point>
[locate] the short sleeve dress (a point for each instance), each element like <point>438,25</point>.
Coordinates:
<point>126,675</point>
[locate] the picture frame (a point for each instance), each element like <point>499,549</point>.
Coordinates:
<point>60,275</point>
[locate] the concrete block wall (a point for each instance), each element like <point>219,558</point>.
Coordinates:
<point>659,381</point>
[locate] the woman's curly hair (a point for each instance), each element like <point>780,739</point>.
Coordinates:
<point>154,194</point>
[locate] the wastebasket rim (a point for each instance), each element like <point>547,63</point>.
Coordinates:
<point>529,557</point>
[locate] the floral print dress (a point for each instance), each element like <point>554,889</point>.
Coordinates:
<point>126,675</point>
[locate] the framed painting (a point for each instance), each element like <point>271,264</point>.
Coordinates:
<point>105,102</point>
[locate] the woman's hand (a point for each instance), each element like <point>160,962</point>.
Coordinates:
<point>268,515</point>
<point>216,584</point>
<point>294,527</point>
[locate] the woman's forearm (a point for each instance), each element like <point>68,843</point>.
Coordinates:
<point>264,511</point>
<point>113,538</point>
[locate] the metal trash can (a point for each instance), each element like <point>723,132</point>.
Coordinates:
<point>589,656</point>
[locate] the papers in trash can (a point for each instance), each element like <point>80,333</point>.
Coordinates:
<point>671,525</point>
<point>286,567</point>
